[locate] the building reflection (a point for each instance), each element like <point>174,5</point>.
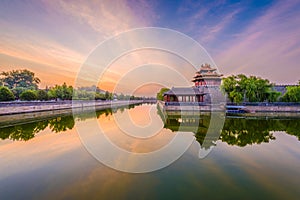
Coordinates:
<point>236,131</point>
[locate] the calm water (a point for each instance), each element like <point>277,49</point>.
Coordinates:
<point>252,158</point>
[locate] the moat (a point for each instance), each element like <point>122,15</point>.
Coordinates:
<point>253,157</point>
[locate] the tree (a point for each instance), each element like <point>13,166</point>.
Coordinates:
<point>19,81</point>
<point>18,90</point>
<point>236,96</point>
<point>292,94</point>
<point>19,78</point>
<point>6,94</point>
<point>99,96</point>
<point>273,96</point>
<point>263,87</point>
<point>28,95</point>
<point>85,95</point>
<point>254,89</point>
<point>42,95</point>
<point>250,88</point>
<point>159,95</point>
<point>89,93</point>
<point>229,85</point>
<point>106,95</point>
<point>62,92</point>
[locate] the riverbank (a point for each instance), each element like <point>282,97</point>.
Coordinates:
<point>273,107</point>
<point>251,107</point>
<point>9,108</point>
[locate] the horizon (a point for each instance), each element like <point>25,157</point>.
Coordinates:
<point>53,39</point>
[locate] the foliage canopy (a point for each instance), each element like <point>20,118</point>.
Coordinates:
<point>253,89</point>
<point>292,94</point>
<point>19,78</point>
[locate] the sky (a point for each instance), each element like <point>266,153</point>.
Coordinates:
<point>54,38</point>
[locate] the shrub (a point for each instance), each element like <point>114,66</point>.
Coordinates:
<point>42,95</point>
<point>6,94</point>
<point>28,95</point>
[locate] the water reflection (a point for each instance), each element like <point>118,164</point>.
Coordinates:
<point>57,166</point>
<point>22,132</point>
<point>237,131</point>
<point>243,131</point>
<point>27,131</point>
<point>247,131</point>
<point>57,124</point>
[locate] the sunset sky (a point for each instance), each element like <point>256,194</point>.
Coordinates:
<point>53,38</point>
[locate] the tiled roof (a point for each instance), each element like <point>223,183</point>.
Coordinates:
<point>184,91</point>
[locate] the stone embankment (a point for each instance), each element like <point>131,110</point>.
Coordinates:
<point>273,108</point>
<point>8,108</point>
<point>252,107</point>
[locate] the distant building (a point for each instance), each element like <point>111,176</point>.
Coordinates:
<point>206,81</point>
<point>281,88</point>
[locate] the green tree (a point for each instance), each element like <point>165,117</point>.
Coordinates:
<point>273,96</point>
<point>254,89</point>
<point>236,96</point>
<point>263,87</point>
<point>6,94</point>
<point>159,95</point>
<point>89,93</point>
<point>42,95</point>
<point>99,96</point>
<point>19,78</point>
<point>62,92</point>
<point>250,88</point>
<point>18,90</point>
<point>28,95</point>
<point>292,94</point>
<point>229,85</point>
<point>108,95</point>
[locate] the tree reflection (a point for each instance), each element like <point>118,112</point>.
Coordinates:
<point>23,132</point>
<point>58,124</point>
<point>61,124</point>
<point>242,132</point>
<point>292,128</point>
<point>236,131</point>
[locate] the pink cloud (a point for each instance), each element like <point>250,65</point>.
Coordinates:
<point>268,47</point>
<point>105,17</point>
